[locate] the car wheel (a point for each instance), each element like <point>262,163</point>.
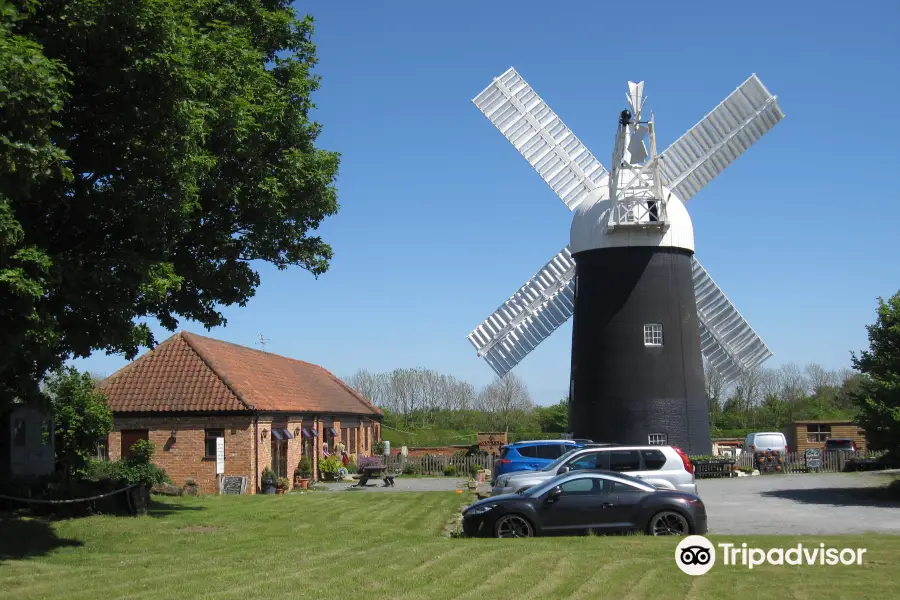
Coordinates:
<point>513,526</point>
<point>668,522</point>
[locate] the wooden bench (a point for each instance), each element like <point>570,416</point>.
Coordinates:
<point>379,472</point>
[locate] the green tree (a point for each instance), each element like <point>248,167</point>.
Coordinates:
<point>878,393</point>
<point>152,154</point>
<point>81,416</point>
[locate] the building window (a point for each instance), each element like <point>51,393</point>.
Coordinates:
<point>817,432</point>
<point>657,439</point>
<point>19,433</point>
<point>129,438</point>
<point>653,334</point>
<point>210,445</point>
<point>46,433</point>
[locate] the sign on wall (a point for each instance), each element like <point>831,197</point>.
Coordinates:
<point>813,458</point>
<point>491,442</point>
<point>220,455</point>
<point>233,484</point>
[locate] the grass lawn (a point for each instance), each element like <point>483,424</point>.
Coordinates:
<point>343,545</point>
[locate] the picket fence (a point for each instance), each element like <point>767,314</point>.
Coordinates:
<point>794,462</point>
<point>791,462</point>
<point>437,464</point>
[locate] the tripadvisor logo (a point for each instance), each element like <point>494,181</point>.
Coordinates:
<point>696,555</point>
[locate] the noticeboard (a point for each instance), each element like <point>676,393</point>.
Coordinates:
<point>813,458</point>
<point>491,442</point>
<point>234,484</point>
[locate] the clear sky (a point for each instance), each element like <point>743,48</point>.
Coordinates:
<point>441,219</point>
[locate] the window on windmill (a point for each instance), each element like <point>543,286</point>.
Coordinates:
<point>657,439</point>
<point>653,334</point>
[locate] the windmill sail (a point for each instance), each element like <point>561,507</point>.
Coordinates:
<point>726,339</point>
<point>698,156</point>
<point>559,157</point>
<point>540,306</point>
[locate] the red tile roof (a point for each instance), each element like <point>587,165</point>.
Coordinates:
<point>190,372</point>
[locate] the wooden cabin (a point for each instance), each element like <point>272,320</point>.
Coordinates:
<point>802,435</point>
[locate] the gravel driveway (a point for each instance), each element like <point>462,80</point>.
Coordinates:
<point>800,504</point>
<point>823,504</point>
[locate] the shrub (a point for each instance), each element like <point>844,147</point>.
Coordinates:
<point>378,448</point>
<point>330,465</point>
<point>282,483</point>
<point>450,470</point>
<point>351,467</point>
<point>367,461</point>
<point>473,470</point>
<point>305,467</point>
<point>135,469</point>
<point>410,469</point>
<point>268,477</point>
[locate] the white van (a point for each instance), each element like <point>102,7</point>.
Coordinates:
<point>765,441</point>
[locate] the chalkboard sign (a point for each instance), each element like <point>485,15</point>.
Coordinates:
<point>234,484</point>
<point>813,458</point>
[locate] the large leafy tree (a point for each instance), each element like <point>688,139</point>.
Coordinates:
<point>81,416</point>
<point>878,393</point>
<point>150,152</point>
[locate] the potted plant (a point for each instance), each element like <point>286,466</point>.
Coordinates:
<point>281,484</point>
<point>329,467</point>
<point>268,479</point>
<point>303,473</point>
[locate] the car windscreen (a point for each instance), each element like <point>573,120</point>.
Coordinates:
<point>556,464</point>
<point>768,441</point>
<point>839,443</point>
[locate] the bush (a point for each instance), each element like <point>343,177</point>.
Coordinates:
<point>305,467</point>
<point>450,470</point>
<point>330,465</point>
<point>282,483</point>
<point>473,470</point>
<point>367,461</point>
<point>191,488</point>
<point>351,467</point>
<point>378,448</point>
<point>135,469</point>
<point>268,477</point>
<point>410,469</point>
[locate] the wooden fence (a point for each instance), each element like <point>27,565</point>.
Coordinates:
<point>796,462</point>
<point>438,464</point>
<point>792,462</point>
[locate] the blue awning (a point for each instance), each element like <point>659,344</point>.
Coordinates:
<point>333,432</point>
<point>287,434</point>
<point>276,433</point>
<point>310,433</point>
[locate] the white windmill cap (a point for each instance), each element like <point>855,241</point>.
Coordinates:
<point>589,227</point>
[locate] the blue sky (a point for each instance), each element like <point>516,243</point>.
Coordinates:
<point>442,220</point>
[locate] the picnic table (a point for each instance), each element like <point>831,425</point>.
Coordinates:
<point>378,472</point>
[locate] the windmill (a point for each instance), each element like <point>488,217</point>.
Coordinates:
<point>645,310</point>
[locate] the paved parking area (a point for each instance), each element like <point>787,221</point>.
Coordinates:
<point>800,504</point>
<point>823,504</point>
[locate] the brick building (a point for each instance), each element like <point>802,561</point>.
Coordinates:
<point>270,410</point>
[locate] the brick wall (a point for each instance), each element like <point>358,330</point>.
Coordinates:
<point>183,457</point>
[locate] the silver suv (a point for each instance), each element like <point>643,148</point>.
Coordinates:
<point>666,467</point>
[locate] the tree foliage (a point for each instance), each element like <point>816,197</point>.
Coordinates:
<point>81,417</point>
<point>150,153</point>
<point>878,394</point>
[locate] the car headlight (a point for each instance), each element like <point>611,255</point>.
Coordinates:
<point>502,482</point>
<point>480,510</point>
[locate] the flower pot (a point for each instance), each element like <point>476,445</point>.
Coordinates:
<point>268,488</point>
<point>304,484</point>
<point>279,491</point>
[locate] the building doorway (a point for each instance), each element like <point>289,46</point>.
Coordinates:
<point>279,454</point>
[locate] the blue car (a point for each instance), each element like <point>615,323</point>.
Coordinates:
<point>531,455</point>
